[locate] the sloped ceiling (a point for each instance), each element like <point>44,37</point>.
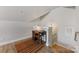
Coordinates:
<point>22,13</point>
<point>15,21</point>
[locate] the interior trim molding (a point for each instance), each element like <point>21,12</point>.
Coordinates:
<point>68,47</point>
<point>12,41</point>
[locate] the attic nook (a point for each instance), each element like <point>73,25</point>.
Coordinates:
<point>39,29</point>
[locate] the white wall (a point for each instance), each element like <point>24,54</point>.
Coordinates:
<point>66,20</point>
<point>15,22</point>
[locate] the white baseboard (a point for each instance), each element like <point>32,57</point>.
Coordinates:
<point>66,46</point>
<point>12,41</point>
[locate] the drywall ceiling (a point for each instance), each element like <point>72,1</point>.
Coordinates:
<point>22,13</point>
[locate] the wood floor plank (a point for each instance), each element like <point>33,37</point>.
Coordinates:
<point>28,46</point>
<point>59,49</point>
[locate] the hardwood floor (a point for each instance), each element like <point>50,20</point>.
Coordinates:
<point>22,46</point>
<point>59,49</point>
<point>55,49</point>
<point>29,46</point>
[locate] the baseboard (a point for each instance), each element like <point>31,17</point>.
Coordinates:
<point>68,47</point>
<point>12,41</point>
